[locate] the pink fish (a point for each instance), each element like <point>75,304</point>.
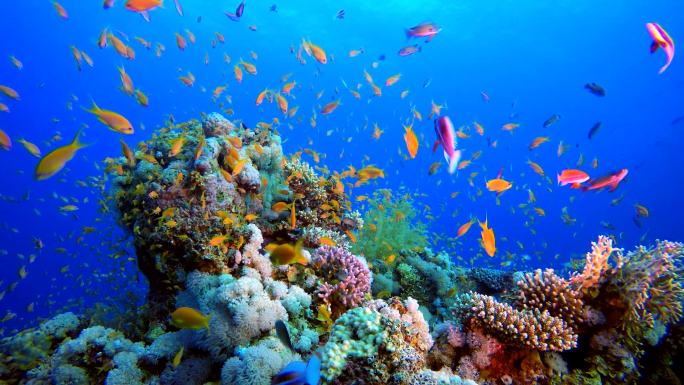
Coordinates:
<point>409,50</point>
<point>427,29</point>
<point>446,136</point>
<point>612,180</point>
<point>661,39</point>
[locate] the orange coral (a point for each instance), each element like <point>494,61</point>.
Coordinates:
<point>596,264</point>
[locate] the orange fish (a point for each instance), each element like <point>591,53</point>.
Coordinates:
<point>498,185</point>
<point>538,141</point>
<point>238,73</point>
<point>317,52</point>
<point>142,5</point>
<point>293,216</point>
<point>60,10</point>
<point>356,52</point>
<point>77,56</point>
<point>9,92</point>
<point>488,240</point>
<point>411,141</point>
<point>102,40</point>
<point>536,167</point>
<point>330,107</point>
<point>572,177</point>
<point>119,46</point>
<point>261,96</point>
<point>435,109</point>
<point>510,126</point>
<point>180,41</point>
<point>111,119</point>
<point>463,229</point>
<point>287,87</point>
<point>55,161</point>
<point>5,141</point>
<point>282,103</point>
<point>127,83</point>
<point>392,80</point>
<point>249,67</point>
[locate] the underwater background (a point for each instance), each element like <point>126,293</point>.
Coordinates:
<point>67,245</point>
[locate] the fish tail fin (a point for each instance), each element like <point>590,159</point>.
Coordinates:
<point>206,321</point>
<point>453,162</point>
<point>408,33</point>
<point>77,143</point>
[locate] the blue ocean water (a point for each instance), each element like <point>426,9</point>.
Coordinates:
<point>531,58</point>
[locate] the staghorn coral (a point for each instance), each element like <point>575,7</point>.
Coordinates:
<point>548,292</point>
<point>525,328</point>
<point>346,278</point>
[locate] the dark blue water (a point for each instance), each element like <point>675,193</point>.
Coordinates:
<point>532,60</point>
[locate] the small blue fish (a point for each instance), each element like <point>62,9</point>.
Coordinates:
<point>299,373</point>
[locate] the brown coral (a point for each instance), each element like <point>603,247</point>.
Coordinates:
<point>548,292</point>
<point>530,328</point>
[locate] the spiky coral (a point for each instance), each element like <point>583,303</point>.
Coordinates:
<point>548,292</point>
<point>534,329</point>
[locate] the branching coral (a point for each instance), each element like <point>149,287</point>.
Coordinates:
<point>346,277</point>
<point>546,291</point>
<point>534,329</point>
<point>596,264</point>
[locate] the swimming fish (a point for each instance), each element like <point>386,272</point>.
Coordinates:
<point>286,253</point>
<point>611,180</point>
<point>463,229</point>
<point>411,141</point>
<point>594,129</point>
<point>300,373</point>
<point>30,147</point>
<point>5,141</point>
<point>488,240</point>
<point>189,318</point>
<point>426,29</point>
<point>56,159</point>
<point>446,136</point>
<point>283,334</point>
<point>595,89</point>
<point>661,39</point>
<point>571,177</point>
<point>111,119</point>
<point>553,119</point>
<point>498,185</point>
<point>409,50</point>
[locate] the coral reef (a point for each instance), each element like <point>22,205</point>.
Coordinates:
<point>204,202</point>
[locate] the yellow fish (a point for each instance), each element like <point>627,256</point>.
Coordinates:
<point>56,159</point>
<point>189,318</point>
<point>286,253</point>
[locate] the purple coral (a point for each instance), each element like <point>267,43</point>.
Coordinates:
<point>347,277</point>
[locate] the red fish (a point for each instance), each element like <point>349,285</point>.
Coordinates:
<point>610,180</point>
<point>571,177</point>
<point>446,136</point>
<point>661,39</point>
